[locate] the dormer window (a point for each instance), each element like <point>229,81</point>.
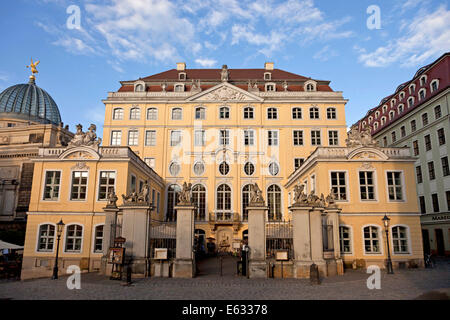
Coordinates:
<point>375,126</point>
<point>434,85</point>
<point>370,119</point>
<point>377,114</point>
<point>422,93</point>
<point>391,115</point>
<point>410,102</point>
<point>267,76</point>
<point>179,87</point>
<point>383,121</point>
<point>310,86</point>
<point>182,76</point>
<point>393,101</point>
<point>423,80</point>
<point>384,109</point>
<point>401,95</point>
<point>139,86</point>
<point>400,108</point>
<point>412,88</point>
<point>270,87</point>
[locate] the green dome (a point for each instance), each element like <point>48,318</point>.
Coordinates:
<point>29,102</point>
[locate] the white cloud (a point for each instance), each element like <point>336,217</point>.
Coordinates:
<point>208,63</point>
<point>74,45</point>
<point>325,54</point>
<point>427,36</point>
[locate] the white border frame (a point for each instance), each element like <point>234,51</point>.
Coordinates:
<point>55,238</point>
<point>43,185</point>
<point>403,186</point>
<point>65,237</point>
<point>380,239</point>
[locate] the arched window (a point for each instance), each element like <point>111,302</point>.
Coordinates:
<point>245,201</point>
<point>98,239</point>
<point>139,88</point>
<point>384,109</point>
<point>310,87</point>
<point>377,114</point>
<point>375,126</point>
<point>272,113</point>
<point>371,240</point>
<point>135,114</point>
<point>274,202</point>
<point>401,95</point>
<point>391,114</point>
<point>422,93</point>
<point>370,119</point>
<point>383,121</point>
<point>74,238</point>
<point>223,198</point>
<point>179,88</point>
<point>314,113</point>
<point>172,200</point>
<point>297,113</point>
<point>434,85</point>
<point>248,113</point>
<point>331,113</point>
<point>118,114</point>
<point>400,239</point>
<point>400,108</point>
<point>46,237</point>
<point>224,113</point>
<point>200,113</point>
<point>152,114</point>
<point>410,102</point>
<point>177,114</point>
<point>199,200</point>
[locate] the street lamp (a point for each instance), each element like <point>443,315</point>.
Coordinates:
<point>386,226</point>
<point>60,226</point>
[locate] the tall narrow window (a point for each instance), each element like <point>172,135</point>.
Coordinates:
<point>224,137</point>
<point>445,167</point>
<point>395,186</point>
<point>249,137</point>
<point>74,237</point>
<point>52,183</point>
<point>423,207</point>
<point>403,131</point>
<point>366,185</point>
<point>339,185</point>
<point>79,185</point>
<point>152,114</point>
<point>437,112</point>
<point>435,200</point>
<point>272,136</point>
<point>150,138</point>
<point>133,137</point>
<point>400,240</point>
<point>413,126</point>
<point>46,238</point>
<point>172,199</point>
<point>118,114</point>
<point>371,240</point>
<point>274,203</point>
<point>116,138</point>
<point>199,138</point>
<point>245,201</point>
<point>344,239</point>
<point>315,138</point>
<point>427,142</point>
<point>416,147</point>
<point>441,136</point>
<point>431,172</point>
<point>419,174</point>
<point>98,241</point>
<point>425,119</point>
<point>333,138</point>
<point>106,184</point>
<point>394,137</point>
<point>298,137</point>
<point>223,198</point>
<point>199,200</point>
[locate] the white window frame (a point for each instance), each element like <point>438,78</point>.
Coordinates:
<point>44,184</point>
<point>156,113</point>
<point>403,186</point>
<point>172,113</point>
<point>301,113</point>
<point>380,240</point>
<point>276,139</point>
<point>137,115</point>
<point>333,112</point>
<point>270,110</point>
<point>375,186</point>
<point>114,113</point>
<point>250,135</point>
<point>437,85</point>
<point>94,238</point>
<point>227,112</point>
<point>294,138</point>
<point>252,113</point>
<point>408,240</point>
<point>172,132</point>
<point>38,238</point>
<point>347,186</point>
<point>71,184</point>
<point>337,138</point>
<point>137,138</point>
<point>113,139</point>
<point>270,84</point>
<point>147,132</point>
<point>65,238</point>
<point>202,113</point>
<point>350,228</point>
<point>316,108</point>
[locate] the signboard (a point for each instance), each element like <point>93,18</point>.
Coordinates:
<point>236,245</point>
<point>160,253</point>
<point>116,255</point>
<point>282,255</point>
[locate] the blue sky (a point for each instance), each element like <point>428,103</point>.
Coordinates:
<point>128,39</point>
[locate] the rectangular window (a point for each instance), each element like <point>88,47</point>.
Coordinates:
<point>395,187</point>
<point>133,183</point>
<point>394,137</point>
<point>106,184</point>
<point>298,163</point>
<point>416,148</point>
<point>150,138</point>
<point>224,137</point>
<point>435,199</point>
<point>133,137</point>
<point>175,138</point>
<point>423,207</point>
<point>338,185</point>
<point>427,142</point>
<point>298,137</point>
<point>366,185</point>
<point>431,173</point>
<point>333,138</point>
<point>403,131</point>
<point>116,138</point>
<point>385,143</point>
<point>315,138</point>
<point>199,138</point>
<point>79,185</point>
<point>425,119</point>
<point>249,137</point>
<point>413,126</point>
<point>344,237</point>
<point>272,136</point>
<point>52,182</point>
<point>419,174</point>
<point>447,194</point>
<point>437,112</point>
<point>248,113</point>
<point>441,136</point>
<point>158,199</point>
<point>98,244</point>
<point>74,237</point>
<point>150,162</point>
<point>445,168</point>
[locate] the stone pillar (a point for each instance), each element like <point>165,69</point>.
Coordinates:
<point>315,222</point>
<point>257,241</point>
<point>184,262</point>
<point>333,216</point>
<point>110,218</point>
<point>135,229</point>
<point>301,241</point>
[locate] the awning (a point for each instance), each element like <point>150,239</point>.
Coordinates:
<point>6,245</point>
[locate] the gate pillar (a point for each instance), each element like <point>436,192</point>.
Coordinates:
<point>257,241</point>
<point>108,234</point>
<point>184,263</point>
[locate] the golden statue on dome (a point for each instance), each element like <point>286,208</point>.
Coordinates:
<point>32,66</point>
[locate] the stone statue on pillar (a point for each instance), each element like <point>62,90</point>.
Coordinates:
<point>185,196</point>
<point>256,197</point>
<point>112,199</point>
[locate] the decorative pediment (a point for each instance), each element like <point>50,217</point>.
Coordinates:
<point>366,154</point>
<point>79,153</point>
<point>225,92</point>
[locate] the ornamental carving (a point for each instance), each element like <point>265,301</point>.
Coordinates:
<point>225,94</point>
<point>256,198</point>
<point>357,138</point>
<point>88,138</point>
<point>112,199</point>
<point>185,196</point>
<point>137,198</point>
<point>301,199</point>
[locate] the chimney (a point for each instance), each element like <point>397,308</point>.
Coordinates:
<point>181,66</point>
<point>268,65</point>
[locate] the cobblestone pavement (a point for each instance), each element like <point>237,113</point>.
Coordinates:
<point>404,284</point>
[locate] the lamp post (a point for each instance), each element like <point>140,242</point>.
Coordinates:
<point>389,261</point>
<point>60,226</point>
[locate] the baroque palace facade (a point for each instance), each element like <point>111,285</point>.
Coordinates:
<point>417,116</point>
<point>212,141</point>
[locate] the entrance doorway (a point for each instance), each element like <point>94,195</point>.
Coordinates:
<point>426,241</point>
<point>199,243</point>
<point>440,242</point>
